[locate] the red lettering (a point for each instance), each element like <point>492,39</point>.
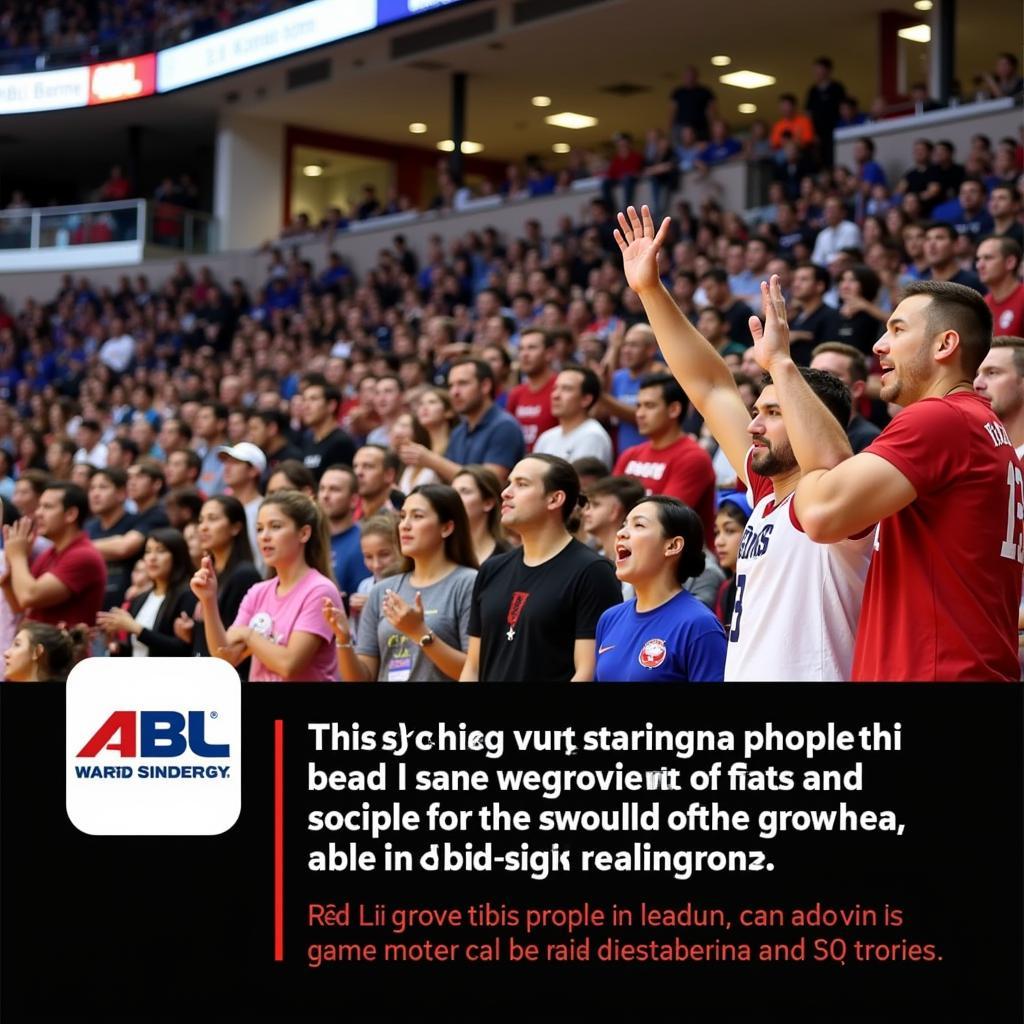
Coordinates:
<point>122,722</point>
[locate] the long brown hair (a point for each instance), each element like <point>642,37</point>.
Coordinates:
<point>490,490</point>
<point>447,503</point>
<point>304,511</point>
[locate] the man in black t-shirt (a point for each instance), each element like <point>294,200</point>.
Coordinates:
<point>326,443</point>
<point>535,609</point>
<point>693,105</point>
<point>816,322</point>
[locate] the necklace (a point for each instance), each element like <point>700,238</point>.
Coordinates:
<point>956,387</point>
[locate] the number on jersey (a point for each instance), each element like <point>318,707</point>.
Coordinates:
<point>1013,546</point>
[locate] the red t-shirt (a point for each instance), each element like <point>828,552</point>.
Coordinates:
<point>532,409</point>
<point>942,593</point>
<point>81,568</point>
<point>1008,315</point>
<point>681,470</point>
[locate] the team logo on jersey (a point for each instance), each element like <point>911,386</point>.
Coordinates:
<point>653,653</point>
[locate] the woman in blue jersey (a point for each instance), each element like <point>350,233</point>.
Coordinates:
<point>664,634</point>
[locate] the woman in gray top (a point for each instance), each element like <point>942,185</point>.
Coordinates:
<point>415,625</point>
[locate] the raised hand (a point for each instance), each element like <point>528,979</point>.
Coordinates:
<point>640,246</point>
<point>204,581</point>
<point>406,618</point>
<point>336,618</point>
<point>771,342</point>
<point>18,537</point>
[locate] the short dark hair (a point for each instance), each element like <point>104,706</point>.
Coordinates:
<point>679,520</point>
<point>941,225</point>
<point>560,476</point>
<point>1008,247</point>
<point>220,410</point>
<point>548,336</point>
<point>858,361</point>
<point>117,476</point>
<point>955,307</point>
<point>715,274</point>
<point>318,380</point>
<point>71,496</point>
<point>834,394</point>
<point>867,279</point>
<point>590,383</point>
<point>821,275</point>
<point>626,489</point>
<point>481,368</point>
<point>296,474</point>
<point>191,458</point>
<point>1016,345</point>
<point>671,391</point>
<point>272,416</point>
<point>185,497</point>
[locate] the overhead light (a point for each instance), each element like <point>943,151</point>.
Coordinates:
<point>747,79</point>
<point>561,147</point>
<point>569,120</point>
<point>923,5</point>
<point>916,33</point>
<point>417,127</point>
<point>447,146</point>
<point>721,61</point>
<point>747,108</point>
<point>541,101</point>
<point>313,170</point>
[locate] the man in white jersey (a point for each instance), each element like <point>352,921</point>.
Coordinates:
<point>797,602</point>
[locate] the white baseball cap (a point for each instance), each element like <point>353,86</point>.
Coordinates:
<point>244,451</point>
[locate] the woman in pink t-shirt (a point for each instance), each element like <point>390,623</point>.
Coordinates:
<point>279,622</point>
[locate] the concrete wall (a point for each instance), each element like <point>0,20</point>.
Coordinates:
<point>894,138</point>
<point>248,196</point>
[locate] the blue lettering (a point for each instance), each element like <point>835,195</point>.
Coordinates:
<point>197,741</point>
<point>162,734</point>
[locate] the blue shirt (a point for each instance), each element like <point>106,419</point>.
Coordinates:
<point>349,568</point>
<point>497,438</point>
<point>681,641</point>
<point>626,387</point>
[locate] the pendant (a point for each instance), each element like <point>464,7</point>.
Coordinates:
<point>511,634</point>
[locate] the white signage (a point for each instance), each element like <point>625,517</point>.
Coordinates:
<point>291,31</point>
<point>44,90</point>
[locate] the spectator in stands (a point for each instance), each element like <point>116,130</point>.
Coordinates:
<point>922,177</point>
<point>480,492</point>
<point>148,622</point>
<point>65,583</point>
<point>967,213</point>
<point>715,283</point>
<point>850,115</point>
<point>792,124</point>
<point>869,170</point>
<point>408,430</point>
<point>838,233</point>
<point>109,527</point>
<point>1005,80</point>
<point>415,624</point>
<point>669,462</point>
<point>851,367</point>
<point>91,448</point>
<point>1004,207</point>
<point>183,505</point>
<point>608,501</point>
<point>145,486</point>
<point>624,168</point>
<point>635,358</point>
<point>291,475</point>
<point>823,99</point>
<point>816,321</point>
<point>211,429</point>
<point>949,173</point>
<point>693,106</point>
<point>326,443</point>
<point>661,169</point>
<point>939,250</point>
<point>530,401</point>
<point>861,321</point>
<point>279,622</point>
<point>268,430</point>
<point>998,263</point>
<point>388,404</point>
<point>721,146</point>
<point>337,498</point>
<point>60,457</point>
<point>921,98</point>
<point>370,204</point>
<point>733,512</point>
<point>576,393</point>
<point>182,468</point>
<point>244,468</point>
<point>1000,379</point>
<point>376,470</point>
<point>42,653</point>
<point>530,601</point>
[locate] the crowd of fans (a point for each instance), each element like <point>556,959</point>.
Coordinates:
<point>67,32</point>
<point>305,478</point>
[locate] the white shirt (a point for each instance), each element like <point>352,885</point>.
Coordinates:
<point>96,456</point>
<point>147,619</point>
<point>831,240</point>
<point>589,438</point>
<point>797,602</point>
<point>251,512</point>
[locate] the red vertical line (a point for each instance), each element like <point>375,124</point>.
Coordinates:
<point>279,840</point>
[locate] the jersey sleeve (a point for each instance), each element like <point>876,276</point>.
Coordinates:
<point>706,661</point>
<point>926,443</point>
<point>758,486</point>
<point>597,590</point>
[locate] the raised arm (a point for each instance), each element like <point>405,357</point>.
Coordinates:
<point>700,370</point>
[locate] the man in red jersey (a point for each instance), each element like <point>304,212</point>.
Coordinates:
<point>942,481</point>
<point>669,462</point>
<point>998,263</point>
<point>530,402</point>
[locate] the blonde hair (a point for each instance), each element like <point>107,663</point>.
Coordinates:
<point>304,511</point>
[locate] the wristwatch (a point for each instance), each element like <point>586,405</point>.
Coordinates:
<point>427,639</point>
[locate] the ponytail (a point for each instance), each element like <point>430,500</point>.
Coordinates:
<point>62,648</point>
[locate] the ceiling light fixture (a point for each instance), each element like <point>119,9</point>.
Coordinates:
<point>916,33</point>
<point>561,147</point>
<point>313,170</point>
<point>747,108</point>
<point>747,79</point>
<point>567,119</point>
<point>923,5</point>
<point>447,146</point>
<point>541,101</point>
<point>721,61</point>
<point>417,127</point>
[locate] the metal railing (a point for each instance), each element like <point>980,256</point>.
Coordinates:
<point>131,220</point>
